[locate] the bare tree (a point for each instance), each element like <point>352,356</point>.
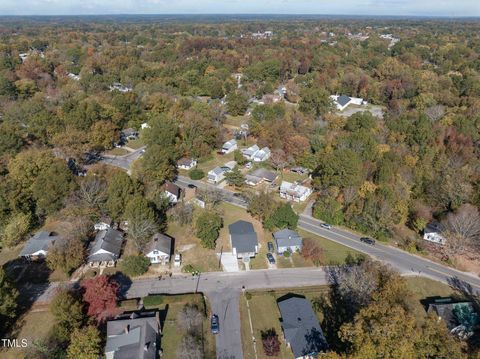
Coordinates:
<point>182,213</point>
<point>278,159</point>
<point>140,231</point>
<point>189,348</point>
<point>190,320</point>
<point>210,196</point>
<point>92,191</point>
<point>462,231</point>
<point>435,112</point>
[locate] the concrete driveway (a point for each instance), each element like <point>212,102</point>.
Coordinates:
<point>229,262</point>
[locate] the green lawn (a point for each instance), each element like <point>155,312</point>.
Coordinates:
<point>117,152</point>
<point>172,336</point>
<point>135,144</point>
<point>213,161</point>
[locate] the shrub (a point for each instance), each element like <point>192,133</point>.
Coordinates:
<point>196,174</point>
<point>271,344</point>
<point>286,254</point>
<point>134,266</point>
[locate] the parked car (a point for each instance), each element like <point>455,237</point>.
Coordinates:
<point>368,240</point>
<point>270,247</point>
<point>177,260</point>
<point>326,226</point>
<point>214,324</point>
<point>270,258</point>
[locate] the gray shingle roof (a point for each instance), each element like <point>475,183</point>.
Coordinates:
<point>40,241</point>
<point>133,336</point>
<point>343,100</point>
<point>301,327</point>
<point>269,176</point>
<point>109,240</point>
<point>159,242</point>
<point>244,237</point>
<point>286,238</point>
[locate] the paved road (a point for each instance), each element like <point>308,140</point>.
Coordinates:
<point>223,290</point>
<point>125,161</point>
<point>404,262</point>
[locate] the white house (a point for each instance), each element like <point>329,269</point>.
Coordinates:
<point>229,146</point>
<point>287,241</point>
<point>217,175</point>
<point>186,163</point>
<point>243,239</point>
<point>73,76</point>
<point>248,153</point>
<point>262,155</point>
<point>103,224</point>
<point>342,102</point>
<point>433,233</point>
<point>159,249</point>
<point>172,192</point>
<point>294,192</point>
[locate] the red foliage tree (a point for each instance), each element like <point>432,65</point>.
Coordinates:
<point>271,344</point>
<point>311,250</point>
<point>101,295</point>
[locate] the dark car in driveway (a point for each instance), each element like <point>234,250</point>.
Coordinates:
<point>368,240</point>
<point>270,247</point>
<point>270,258</point>
<point>214,324</point>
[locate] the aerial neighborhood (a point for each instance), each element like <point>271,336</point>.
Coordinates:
<point>223,186</point>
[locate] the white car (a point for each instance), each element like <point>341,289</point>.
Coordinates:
<point>326,226</point>
<point>177,260</point>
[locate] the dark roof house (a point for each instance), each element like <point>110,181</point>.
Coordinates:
<point>301,328</point>
<point>343,100</point>
<point>160,242</point>
<point>286,238</point>
<point>243,238</point>
<point>106,246</point>
<point>39,244</point>
<point>172,188</point>
<point>133,336</point>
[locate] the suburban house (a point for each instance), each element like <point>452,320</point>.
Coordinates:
<point>229,146</point>
<point>133,336</point>
<point>301,329</point>
<point>186,163</point>
<point>243,239</point>
<point>262,155</point>
<point>158,250</point>
<point>433,233</point>
<point>129,134</point>
<point>294,192</point>
<point>172,192</point>
<point>287,241</point>
<point>342,102</point>
<point>39,245</point>
<point>248,153</point>
<point>117,86</point>
<point>217,175</point>
<point>105,248</point>
<point>460,317</point>
<point>260,175</point>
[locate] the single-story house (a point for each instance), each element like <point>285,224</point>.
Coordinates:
<point>129,134</point>
<point>229,146</point>
<point>217,175</point>
<point>301,329</point>
<point>186,163</point>
<point>39,245</point>
<point>248,153</point>
<point>172,192</point>
<point>343,101</point>
<point>433,233</point>
<point>158,250</point>
<point>460,317</point>
<point>260,175</point>
<point>294,192</point>
<point>243,239</point>
<point>262,155</point>
<point>105,248</point>
<point>133,336</point>
<point>287,240</point>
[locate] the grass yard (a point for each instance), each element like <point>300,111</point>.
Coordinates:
<point>292,177</point>
<point>203,259</point>
<point>117,152</point>
<point>33,326</point>
<point>9,254</point>
<point>265,315</point>
<point>335,253</point>
<point>213,161</point>
<point>135,144</point>
<point>172,336</point>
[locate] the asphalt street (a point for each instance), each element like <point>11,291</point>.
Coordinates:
<point>125,161</point>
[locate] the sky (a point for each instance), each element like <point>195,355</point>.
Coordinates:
<point>343,7</point>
